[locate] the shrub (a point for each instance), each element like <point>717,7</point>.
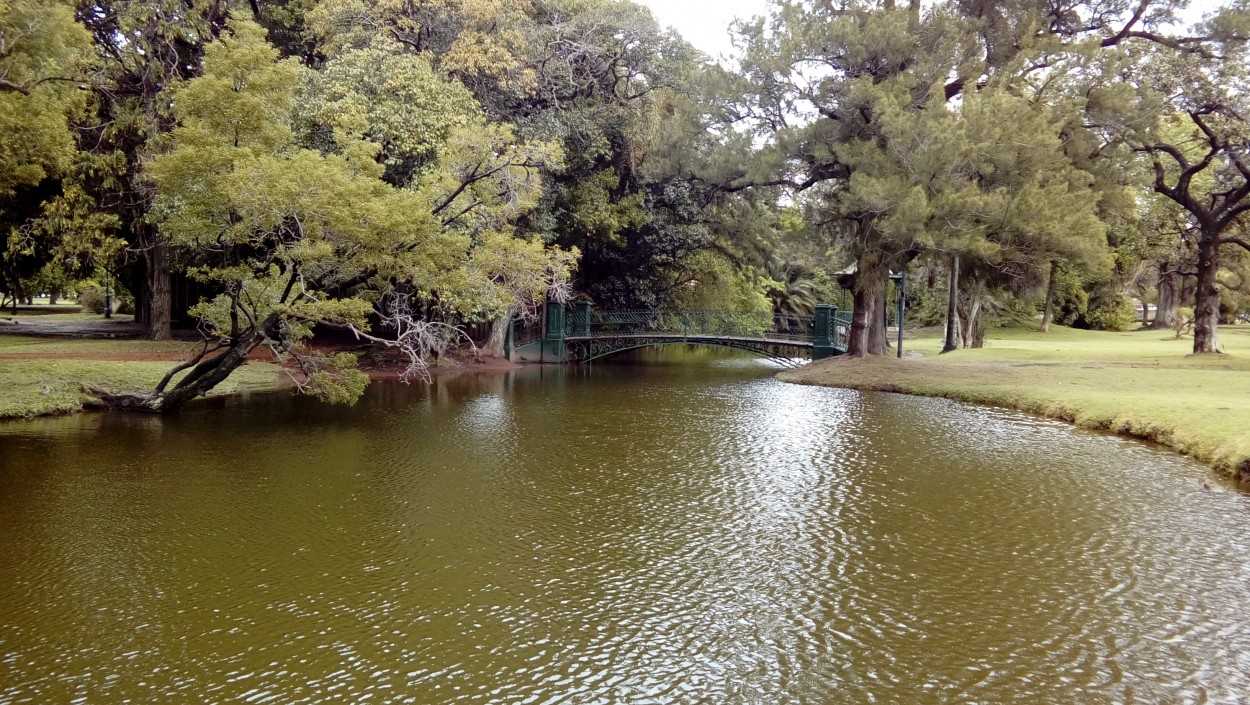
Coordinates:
<point>1182,322</point>
<point>91,298</point>
<point>1112,310</point>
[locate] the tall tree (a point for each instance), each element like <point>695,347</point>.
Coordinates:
<point>477,175</point>
<point>143,48</point>
<point>1201,163</point>
<point>44,61</point>
<point>825,83</point>
<point>294,237</point>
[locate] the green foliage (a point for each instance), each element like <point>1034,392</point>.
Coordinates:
<point>43,53</point>
<point>90,295</point>
<point>927,297</point>
<point>712,282</point>
<point>293,224</point>
<point>457,160</point>
<point>1071,297</point>
<point>1112,311</point>
<point>1183,321</point>
<point>391,98</point>
<point>334,378</point>
<point>293,236</point>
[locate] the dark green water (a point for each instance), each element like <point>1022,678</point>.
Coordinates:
<point>683,529</point>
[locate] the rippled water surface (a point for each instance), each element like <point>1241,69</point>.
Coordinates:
<point>680,529</point>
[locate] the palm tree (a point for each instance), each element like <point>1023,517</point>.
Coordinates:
<point>793,288</point>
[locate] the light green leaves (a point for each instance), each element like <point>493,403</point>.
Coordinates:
<point>42,54</point>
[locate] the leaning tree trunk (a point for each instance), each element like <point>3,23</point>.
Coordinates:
<point>952,308</point>
<point>1169,297</point>
<point>206,373</point>
<point>498,334</point>
<point>1207,297</point>
<point>1048,311</point>
<point>159,289</point>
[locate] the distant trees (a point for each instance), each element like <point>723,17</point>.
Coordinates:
<point>991,136</point>
<point>395,168</point>
<point>912,134</point>
<point>1199,154</point>
<point>44,55</point>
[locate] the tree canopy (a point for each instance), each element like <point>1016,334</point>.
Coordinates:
<point>400,169</point>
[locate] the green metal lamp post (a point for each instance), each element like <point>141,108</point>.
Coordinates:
<point>108,296</point>
<point>901,280</point>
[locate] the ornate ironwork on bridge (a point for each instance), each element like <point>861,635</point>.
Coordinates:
<point>579,333</point>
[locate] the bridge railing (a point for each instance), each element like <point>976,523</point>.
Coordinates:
<point>585,322</point>
<point>841,333</point>
<point>525,331</point>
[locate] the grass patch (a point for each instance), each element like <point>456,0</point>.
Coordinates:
<point>1141,383</point>
<point>32,345</point>
<point>39,387</point>
<point>57,311</point>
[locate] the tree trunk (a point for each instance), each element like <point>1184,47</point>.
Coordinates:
<point>1169,297</point>
<point>972,333</point>
<point>868,334</point>
<point>1207,305</point>
<point>53,297</point>
<point>1048,312</point>
<point>878,333</point>
<point>952,308</point>
<point>498,334</point>
<point>204,375</point>
<point>159,294</point>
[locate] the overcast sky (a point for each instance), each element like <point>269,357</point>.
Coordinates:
<point>705,23</point>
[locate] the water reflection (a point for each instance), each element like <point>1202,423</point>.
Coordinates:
<point>681,528</point>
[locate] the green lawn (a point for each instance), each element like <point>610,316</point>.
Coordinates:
<point>59,312</point>
<point>32,345</point>
<point>1141,383</point>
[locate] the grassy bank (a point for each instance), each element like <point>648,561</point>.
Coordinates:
<point>1142,384</point>
<point>40,376</point>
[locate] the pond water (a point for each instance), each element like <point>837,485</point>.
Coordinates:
<point>676,528</point>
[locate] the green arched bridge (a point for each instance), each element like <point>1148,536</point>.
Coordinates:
<point>579,333</point>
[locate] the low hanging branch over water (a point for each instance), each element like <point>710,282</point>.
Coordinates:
<point>206,373</point>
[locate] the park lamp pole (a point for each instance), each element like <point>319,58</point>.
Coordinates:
<point>901,280</point>
<point>108,296</point>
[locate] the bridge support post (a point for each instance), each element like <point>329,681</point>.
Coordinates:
<point>822,329</point>
<point>553,341</point>
<point>581,318</point>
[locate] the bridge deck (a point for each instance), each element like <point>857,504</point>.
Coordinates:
<point>696,337</point>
